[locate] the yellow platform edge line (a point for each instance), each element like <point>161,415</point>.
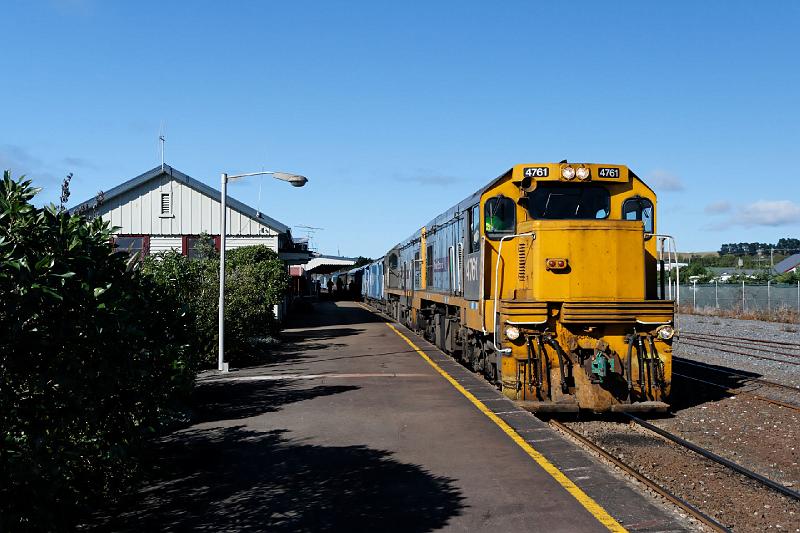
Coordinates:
<point>584,499</point>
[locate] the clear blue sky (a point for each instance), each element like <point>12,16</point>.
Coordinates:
<point>396,110</point>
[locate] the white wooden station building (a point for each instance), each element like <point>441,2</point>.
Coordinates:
<point>164,209</point>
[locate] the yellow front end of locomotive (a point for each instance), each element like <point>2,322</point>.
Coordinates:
<point>576,306</point>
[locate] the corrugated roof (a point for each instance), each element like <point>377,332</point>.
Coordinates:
<point>788,264</point>
<point>189,181</point>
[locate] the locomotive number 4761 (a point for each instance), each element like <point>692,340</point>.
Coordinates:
<point>536,172</point>
<point>608,172</point>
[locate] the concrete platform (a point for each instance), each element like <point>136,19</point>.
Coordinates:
<point>350,429</point>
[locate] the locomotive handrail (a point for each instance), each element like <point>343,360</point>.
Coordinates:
<point>672,255</point>
<point>497,286</point>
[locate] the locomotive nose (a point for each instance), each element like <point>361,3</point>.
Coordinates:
<point>580,260</point>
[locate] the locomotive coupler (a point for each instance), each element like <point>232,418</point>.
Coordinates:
<point>601,366</point>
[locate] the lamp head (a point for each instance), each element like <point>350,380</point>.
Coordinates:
<point>294,179</point>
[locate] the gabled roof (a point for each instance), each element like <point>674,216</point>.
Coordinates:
<point>189,181</point>
<point>788,264</point>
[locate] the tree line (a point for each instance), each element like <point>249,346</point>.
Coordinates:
<point>785,245</point>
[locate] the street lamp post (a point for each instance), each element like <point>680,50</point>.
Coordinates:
<point>296,181</point>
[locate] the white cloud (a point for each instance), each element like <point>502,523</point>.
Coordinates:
<point>661,180</point>
<point>717,208</point>
<point>769,213</point>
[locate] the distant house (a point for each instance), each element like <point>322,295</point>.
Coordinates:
<point>790,264</point>
<point>164,209</point>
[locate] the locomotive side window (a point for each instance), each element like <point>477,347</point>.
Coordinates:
<point>638,208</point>
<point>417,274</point>
<point>474,229</point>
<point>499,216</point>
<point>568,201</point>
<point>429,267</point>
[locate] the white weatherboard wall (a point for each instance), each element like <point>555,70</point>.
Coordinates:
<point>165,244</point>
<point>138,212</point>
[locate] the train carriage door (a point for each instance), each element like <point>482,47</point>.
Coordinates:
<point>472,264</point>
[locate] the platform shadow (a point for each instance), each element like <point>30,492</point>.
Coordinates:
<point>235,400</point>
<point>325,313</point>
<point>232,479</point>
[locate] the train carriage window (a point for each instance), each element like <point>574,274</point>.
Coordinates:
<point>475,229</point>
<point>499,217</point>
<point>638,208</point>
<point>556,201</point>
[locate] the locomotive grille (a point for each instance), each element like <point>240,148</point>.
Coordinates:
<point>521,255</point>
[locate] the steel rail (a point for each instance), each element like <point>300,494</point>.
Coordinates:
<point>746,339</point>
<point>741,392</point>
<point>739,353</point>
<point>641,478</point>
<point>766,382</point>
<point>716,458</point>
<point>761,348</point>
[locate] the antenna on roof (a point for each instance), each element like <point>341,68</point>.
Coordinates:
<point>162,140</point>
<point>311,232</point>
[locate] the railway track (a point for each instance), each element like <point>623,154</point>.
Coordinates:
<point>748,377</point>
<point>716,458</point>
<point>715,345</point>
<point>664,491</point>
<point>793,345</point>
<point>765,346</point>
<point>687,507</point>
<point>735,392</point>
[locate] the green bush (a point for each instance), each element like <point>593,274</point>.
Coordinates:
<point>93,359</point>
<point>256,280</point>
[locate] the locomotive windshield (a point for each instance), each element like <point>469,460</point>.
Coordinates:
<point>569,201</point>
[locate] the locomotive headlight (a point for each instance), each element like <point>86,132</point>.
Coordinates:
<point>582,173</point>
<point>512,332</point>
<point>567,173</point>
<point>665,332</point>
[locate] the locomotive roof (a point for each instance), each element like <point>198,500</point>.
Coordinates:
<point>474,198</point>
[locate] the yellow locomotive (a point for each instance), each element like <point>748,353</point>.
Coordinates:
<point>546,281</point>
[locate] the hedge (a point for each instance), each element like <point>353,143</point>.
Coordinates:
<point>94,357</point>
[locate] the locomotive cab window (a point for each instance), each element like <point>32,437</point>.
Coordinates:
<point>638,208</point>
<point>499,217</point>
<point>558,201</point>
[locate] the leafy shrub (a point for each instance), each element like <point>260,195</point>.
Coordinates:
<point>256,280</point>
<point>93,358</point>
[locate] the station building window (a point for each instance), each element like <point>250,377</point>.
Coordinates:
<point>195,246</point>
<point>499,217</point>
<point>132,244</point>
<point>639,208</point>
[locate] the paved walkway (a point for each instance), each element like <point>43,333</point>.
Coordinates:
<point>351,429</point>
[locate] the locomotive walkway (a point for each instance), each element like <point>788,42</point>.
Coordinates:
<point>356,426</point>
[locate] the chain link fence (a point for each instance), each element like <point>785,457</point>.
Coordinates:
<point>741,296</point>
